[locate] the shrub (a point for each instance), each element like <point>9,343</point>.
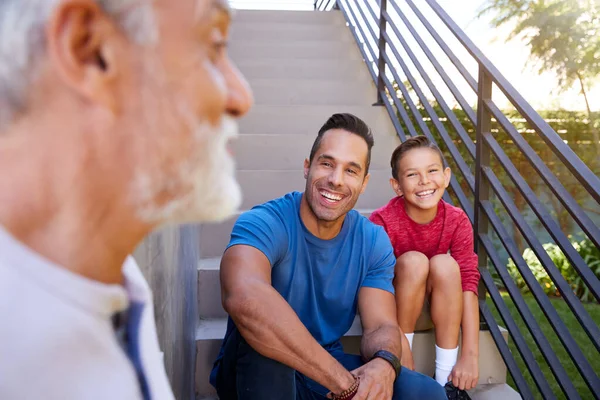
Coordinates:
<point>586,249</point>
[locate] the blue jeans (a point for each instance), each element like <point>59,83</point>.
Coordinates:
<point>244,374</point>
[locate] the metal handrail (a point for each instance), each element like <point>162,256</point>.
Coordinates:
<point>484,183</point>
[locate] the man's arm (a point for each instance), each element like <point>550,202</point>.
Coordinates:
<point>377,309</point>
<point>269,324</point>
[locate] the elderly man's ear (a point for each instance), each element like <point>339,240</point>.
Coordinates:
<point>81,42</point>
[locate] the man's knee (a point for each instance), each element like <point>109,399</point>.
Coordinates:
<point>414,385</point>
<point>412,266</point>
<point>444,268</point>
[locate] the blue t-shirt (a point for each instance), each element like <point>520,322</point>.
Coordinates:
<point>320,279</point>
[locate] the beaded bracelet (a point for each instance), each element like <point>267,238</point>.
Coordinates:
<point>348,393</point>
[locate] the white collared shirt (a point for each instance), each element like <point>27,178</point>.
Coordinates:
<point>57,339</point>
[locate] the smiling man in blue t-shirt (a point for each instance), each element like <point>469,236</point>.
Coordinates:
<point>294,275</point>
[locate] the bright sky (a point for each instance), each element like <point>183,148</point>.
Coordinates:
<point>510,58</point>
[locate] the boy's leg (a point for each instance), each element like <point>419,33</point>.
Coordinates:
<point>445,288</point>
<point>244,374</point>
<point>410,283</point>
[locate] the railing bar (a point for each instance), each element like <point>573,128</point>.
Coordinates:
<point>459,66</point>
<point>466,171</point>
<point>388,84</point>
<point>464,202</point>
<point>447,80</point>
<point>532,365</point>
<point>462,165</point>
<point>588,226</point>
<point>577,167</point>
<point>409,102</point>
<point>592,330</point>
<point>549,223</point>
<point>553,228</point>
<point>582,364</point>
<point>388,106</point>
<point>400,108</point>
<point>504,350</point>
<point>436,94</point>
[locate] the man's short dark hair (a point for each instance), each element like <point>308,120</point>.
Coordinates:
<point>349,123</point>
<point>415,142</point>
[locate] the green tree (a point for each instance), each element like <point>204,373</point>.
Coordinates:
<point>563,37</point>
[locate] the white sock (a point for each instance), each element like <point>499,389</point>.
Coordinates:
<point>410,337</point>
<point>445,360</point>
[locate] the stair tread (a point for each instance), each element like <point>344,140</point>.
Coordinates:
<point>211,329</point>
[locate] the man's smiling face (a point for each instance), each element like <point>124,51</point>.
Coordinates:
<point>336,176</point>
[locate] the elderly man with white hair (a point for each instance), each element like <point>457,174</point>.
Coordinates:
<point>114,119</point>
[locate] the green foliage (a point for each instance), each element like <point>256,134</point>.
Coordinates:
<point>563,36</point>
<point>585,248</point>
<point>573,326</point>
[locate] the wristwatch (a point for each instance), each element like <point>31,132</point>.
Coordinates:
<point>391,358</point>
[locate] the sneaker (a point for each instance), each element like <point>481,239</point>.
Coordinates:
<point>454,393</point>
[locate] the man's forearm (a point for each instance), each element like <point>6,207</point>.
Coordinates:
<point>272,328</point>
<point>470,325</point>
<point>385,337</point>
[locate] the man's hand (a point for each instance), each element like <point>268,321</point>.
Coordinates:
<point>465,373</point>
<point>376,380</point>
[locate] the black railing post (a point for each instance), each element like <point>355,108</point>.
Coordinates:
<point>381,60</point>
<point>482,160</point>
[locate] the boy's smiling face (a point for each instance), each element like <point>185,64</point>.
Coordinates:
<point>422,180</point>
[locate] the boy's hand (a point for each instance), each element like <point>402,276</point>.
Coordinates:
<point>465,373</point>
<point>407,357</point>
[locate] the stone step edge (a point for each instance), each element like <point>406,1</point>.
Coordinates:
<point>214,329</point>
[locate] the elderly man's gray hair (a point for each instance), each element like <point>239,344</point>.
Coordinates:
<point>22,24</point>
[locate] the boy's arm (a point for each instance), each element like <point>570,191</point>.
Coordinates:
<point>466,371</point>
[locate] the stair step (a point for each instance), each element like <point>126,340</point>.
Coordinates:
<point>322,49</point>
<point>270,32</point>
<point>308,119</point>
<point>492,370</point>
<point>303,17</point>
<point>497,391</point>
<point>288,152</point>
<point>327,68</point>
<point>261,186</point>
<point>310,91</point>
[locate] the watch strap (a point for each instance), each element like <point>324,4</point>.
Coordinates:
<point>391,358</point>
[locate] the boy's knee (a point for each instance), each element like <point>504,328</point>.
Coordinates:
<point>444,268</point>
<point>413,264</point>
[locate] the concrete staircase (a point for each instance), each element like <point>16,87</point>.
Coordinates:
<point>303,67</point>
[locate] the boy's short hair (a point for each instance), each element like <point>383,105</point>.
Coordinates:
<point>415,142</point>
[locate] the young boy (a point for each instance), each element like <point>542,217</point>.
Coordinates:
<point>436,266</point>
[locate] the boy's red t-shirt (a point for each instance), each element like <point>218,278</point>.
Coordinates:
<point>450,231</point>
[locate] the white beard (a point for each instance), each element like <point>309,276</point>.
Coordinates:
<point>212,193</point>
